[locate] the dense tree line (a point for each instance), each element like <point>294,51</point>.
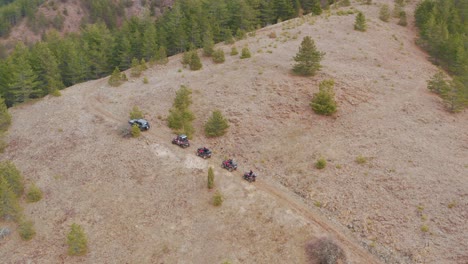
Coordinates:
<point>13,11</point>
<point>57,62</point>
<point>443,28</point>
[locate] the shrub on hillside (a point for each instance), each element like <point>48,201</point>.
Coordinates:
<point>234,51</point>
<point>5,117</point>
<point>323,102</point>
<point>360,23</point>
<point>384,13</point>
<point>135,131</point>
<point>216,125</point>
<point>195,62</point>
<point>245,53</point>
<point>26,230</point>
<point>117,78</point>
<point>76,240</point>
<point>210,178</point>
<point>218,199</point>
<point>218,56</point>
<point>9,206</point>
<point>324,251</point>
<point>402,21</point>
<point>12,176</point>
<point>34,194</point>
<point>136,68</point>
<point>321,163</point>
<point>136,113</point>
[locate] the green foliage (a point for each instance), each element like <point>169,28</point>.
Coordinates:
<point>180,117</point>
<point>360,23</point>
<point>323,102</point>
<point>192,59</point>
<point>145,80</point>
<point>135,131</point>
<point>117,78</point>
<point>34,194</point>
<point>13,177</point>
<point>321,163</point>
<point>218,56</point>
<point>136,68</point>
<point>195,62</point>
<point>454,93</point>
<point>384,13</point>
<point>208,44</point>
<point>216,125</point>
<point>402,21</point>
<point>161,56</point>
<point>455,97</point>
<point>136,113</point>
<point>234,51</point>
<point>76,240</point>
<point>245,53</point>
<point>5,117</point>
<point>218,199</point>
<point>210,178</point>
<point>26,230</point>
<point>361,160</point>
<point>308,58</point>
<point>9,206</point>
<point>437,84</point>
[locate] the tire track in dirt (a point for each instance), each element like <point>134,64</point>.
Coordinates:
<point>93,104</point>
<point>306,212</point>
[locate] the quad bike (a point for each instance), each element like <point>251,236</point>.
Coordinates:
<point>250,177</point>
<point>181,140</point>
<point>229,165</point>
<point>204,152</point>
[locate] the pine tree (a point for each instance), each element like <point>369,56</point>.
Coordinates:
<point>45,65</point>
<point>136,132</point>
<point>136,68</point>
<point>437,83</point>
<point>24,84</point>
<point>403,21</point>
<point>13,177</point>
<point>455,97</point>
<point>5,117</point>
<point>360,23</point>
<point>245,53</point>
<point>323,102</point>
<point>150,45</point>
<point>195,62</point>
<point>308,58</point>
<point>180,117</point>
<point>116,78</point>
<point>218,56</point>
<point>9,206</point>
<point>384,13</point>
<point>161,57</point>
<point>216,125</point>
<point>76,240</point>
<point>208,44</point>
<point>210,178</point>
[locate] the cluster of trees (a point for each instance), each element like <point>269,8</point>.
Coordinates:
<point>444,33</point>
<point>13,11</point>
<point>57,62</point>
<point>11,191</point>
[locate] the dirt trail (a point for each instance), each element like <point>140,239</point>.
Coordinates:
<point>145,200</point>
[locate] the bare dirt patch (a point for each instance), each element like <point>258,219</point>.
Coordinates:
<point>145,200</point>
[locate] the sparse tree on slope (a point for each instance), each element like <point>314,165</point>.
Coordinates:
<point>308,58</point>
<point>360,23</point>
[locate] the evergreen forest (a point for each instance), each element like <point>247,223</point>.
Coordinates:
<point>35,70</point>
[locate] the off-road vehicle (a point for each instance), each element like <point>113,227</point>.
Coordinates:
<point>141,123</point>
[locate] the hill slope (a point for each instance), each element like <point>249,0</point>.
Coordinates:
<point>142,201</point>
